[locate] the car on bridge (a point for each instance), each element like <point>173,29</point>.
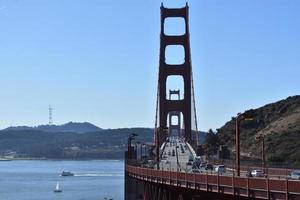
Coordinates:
<point>209,167</point>
<point>191,160</point>
<point>220,169</point>
<point>257,173</point>
<point>202,165</point>
<point>197,162</point>
<point>295,175</point>
<point>206,166</point>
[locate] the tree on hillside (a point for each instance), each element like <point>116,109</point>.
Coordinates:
<point>211,143</point>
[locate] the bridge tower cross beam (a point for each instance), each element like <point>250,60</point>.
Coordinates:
<point>177,126</point>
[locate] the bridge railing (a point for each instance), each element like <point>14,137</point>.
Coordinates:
<point>213,182</point>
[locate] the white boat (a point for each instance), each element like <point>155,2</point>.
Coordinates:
<point>57,189</point>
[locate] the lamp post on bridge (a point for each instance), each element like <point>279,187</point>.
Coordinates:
<point>145,150</point>
<point>136,149</point>
<point>261,137</point>
<point>240,117</point>
<point>130,138</point>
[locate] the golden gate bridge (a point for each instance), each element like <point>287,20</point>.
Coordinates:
<point>167,173</point>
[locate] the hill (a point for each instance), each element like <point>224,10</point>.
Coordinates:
<point>75,127</point>
<point>105,144</point>
<point>63,143</point>
<point>279,122</point>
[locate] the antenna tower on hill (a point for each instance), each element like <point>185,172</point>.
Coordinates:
<point>50,115</point>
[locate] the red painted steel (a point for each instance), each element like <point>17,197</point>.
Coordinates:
<point>190,177</point>
<point>257,183</point>
<point>159,173</point>
<point>180,176</point>
<point>263,187</point>
<point>225,180</point>
<point>174,176</point>
<point>165,175</point>
<point>276,185</point>
<point>294,186</point>
<point>212,179</point>
<point>241,182</point>
<point>201,178</point>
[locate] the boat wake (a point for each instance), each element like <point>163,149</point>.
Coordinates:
<point>99,175</point>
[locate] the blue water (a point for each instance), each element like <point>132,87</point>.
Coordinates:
<point>35,180</point>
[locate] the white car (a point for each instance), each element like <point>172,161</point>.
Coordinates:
<point>295,175</point>
<point>220,169</point>
<point>257,173</point>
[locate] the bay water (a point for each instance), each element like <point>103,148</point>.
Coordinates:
<point>36,180</point>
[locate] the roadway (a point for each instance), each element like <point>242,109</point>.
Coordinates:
<point>176,154</point>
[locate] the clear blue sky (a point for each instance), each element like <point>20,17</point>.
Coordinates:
<point>97,60</point>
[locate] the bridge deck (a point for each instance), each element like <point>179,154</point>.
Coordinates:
<point>175,155</point>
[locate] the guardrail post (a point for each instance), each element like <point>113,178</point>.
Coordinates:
<point>268,189</point>
<point>287,189</point>
<point>186,182</point>
<point>195,180</point>
<point>233,187</point>
<point>176,178</point>
<point>218,183</point>
<point>248,190</point>
<point>146,174</point>
<point>206,181</point>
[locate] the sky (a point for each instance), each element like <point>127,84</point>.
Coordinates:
<point>97,60</point>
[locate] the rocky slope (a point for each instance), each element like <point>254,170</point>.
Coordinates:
<point>279,122</point>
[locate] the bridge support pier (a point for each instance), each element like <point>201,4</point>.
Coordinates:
<point>134,190</point>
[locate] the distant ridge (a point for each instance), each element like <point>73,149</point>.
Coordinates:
<point>75,127</point>
<point>30,142</point>
<point>104,144</point>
